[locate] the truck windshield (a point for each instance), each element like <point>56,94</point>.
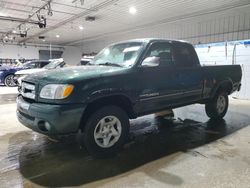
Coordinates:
<point>122,55</point>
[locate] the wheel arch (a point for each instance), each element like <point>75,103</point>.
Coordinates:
<point>120,100</point>
<point>9,73</point>
<point>225,85</point>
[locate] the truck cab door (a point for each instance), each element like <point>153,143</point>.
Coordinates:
<point>158,86</point>
<point>190,73</point>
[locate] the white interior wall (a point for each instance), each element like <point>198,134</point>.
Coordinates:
<point>71,55</point>
<point>229,25</point>
<point>19,52</point>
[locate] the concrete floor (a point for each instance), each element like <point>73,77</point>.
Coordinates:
<point>192,151</point>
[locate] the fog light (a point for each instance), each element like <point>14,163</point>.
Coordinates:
<point>44,126</point>
<point>47,126</point>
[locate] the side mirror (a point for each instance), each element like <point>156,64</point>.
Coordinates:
<point>151,62</point>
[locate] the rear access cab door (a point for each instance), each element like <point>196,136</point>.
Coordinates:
<point>166,82</point>
<point>190,73</point>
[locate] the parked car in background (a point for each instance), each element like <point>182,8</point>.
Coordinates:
<point>85,60</point>
<point>52,64</point>
<point>7,72</point>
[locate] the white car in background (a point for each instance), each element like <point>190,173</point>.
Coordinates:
<point>54,63</point>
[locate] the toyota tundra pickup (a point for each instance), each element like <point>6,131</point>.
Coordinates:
<point>124,81</point>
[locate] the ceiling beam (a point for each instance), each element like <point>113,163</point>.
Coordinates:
<point>32,7</point>
<point>27,20</point>
<point>83,13</point>
<point>20,20</point>
<point>72,6</point>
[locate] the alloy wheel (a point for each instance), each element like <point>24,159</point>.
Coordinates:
<point>107,131</point>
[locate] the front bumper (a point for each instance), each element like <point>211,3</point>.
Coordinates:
<point>59,119</point>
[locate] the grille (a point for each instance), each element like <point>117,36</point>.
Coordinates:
<point>28,90</point>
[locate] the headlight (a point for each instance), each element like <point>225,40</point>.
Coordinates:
<point>56,91</point>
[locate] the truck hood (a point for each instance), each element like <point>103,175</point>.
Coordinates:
<point>29,71</point>
<point>73,74</point>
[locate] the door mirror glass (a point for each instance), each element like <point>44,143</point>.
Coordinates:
<point>151,62</point>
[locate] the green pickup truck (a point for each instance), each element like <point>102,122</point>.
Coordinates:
<point>124,81</point>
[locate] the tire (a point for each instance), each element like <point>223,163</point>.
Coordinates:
<point>53,139</point>
<point>9,80</point>
<point>217,108</point>
<point>56,138</point>
<point>62,139</point>
<point>106,131</point>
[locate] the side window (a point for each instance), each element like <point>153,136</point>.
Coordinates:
<point>38,64</point>
<point>43,63</point>
<point>159,54</point>
<point>186,55</point>
<point>32,65</point>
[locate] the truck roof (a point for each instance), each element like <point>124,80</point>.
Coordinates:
<point>147,40</point>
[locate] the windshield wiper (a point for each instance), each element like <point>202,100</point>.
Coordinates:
<point>110,64</point>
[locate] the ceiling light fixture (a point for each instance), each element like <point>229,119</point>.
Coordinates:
<point>90,18</point>
<point>81,27</point>
<point>132,10</point>
<point>57,36</point>
<point>14,31</point>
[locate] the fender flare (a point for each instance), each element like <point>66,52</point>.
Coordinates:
<point>228,81</point>
<point>103,93</point>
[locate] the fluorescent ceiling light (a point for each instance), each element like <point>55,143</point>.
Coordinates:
<point>14,31</point>
<point>57,36</point>
<point>81,27</point>
<point>132,10</point>
<point>2,14</point>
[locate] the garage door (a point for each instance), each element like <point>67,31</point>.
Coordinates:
<point>46,54</point>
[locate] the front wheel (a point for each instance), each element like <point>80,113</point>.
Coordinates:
<point>106,131</point>
<point>217,108</point>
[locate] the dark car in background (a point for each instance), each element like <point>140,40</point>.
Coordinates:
<point>7,73</point>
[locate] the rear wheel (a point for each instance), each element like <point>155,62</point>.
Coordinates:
<point>217,108</point>
<point>106,131</point>
<point>9,80</point>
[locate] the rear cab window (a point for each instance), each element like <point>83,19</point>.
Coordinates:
<point>185,55</point>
